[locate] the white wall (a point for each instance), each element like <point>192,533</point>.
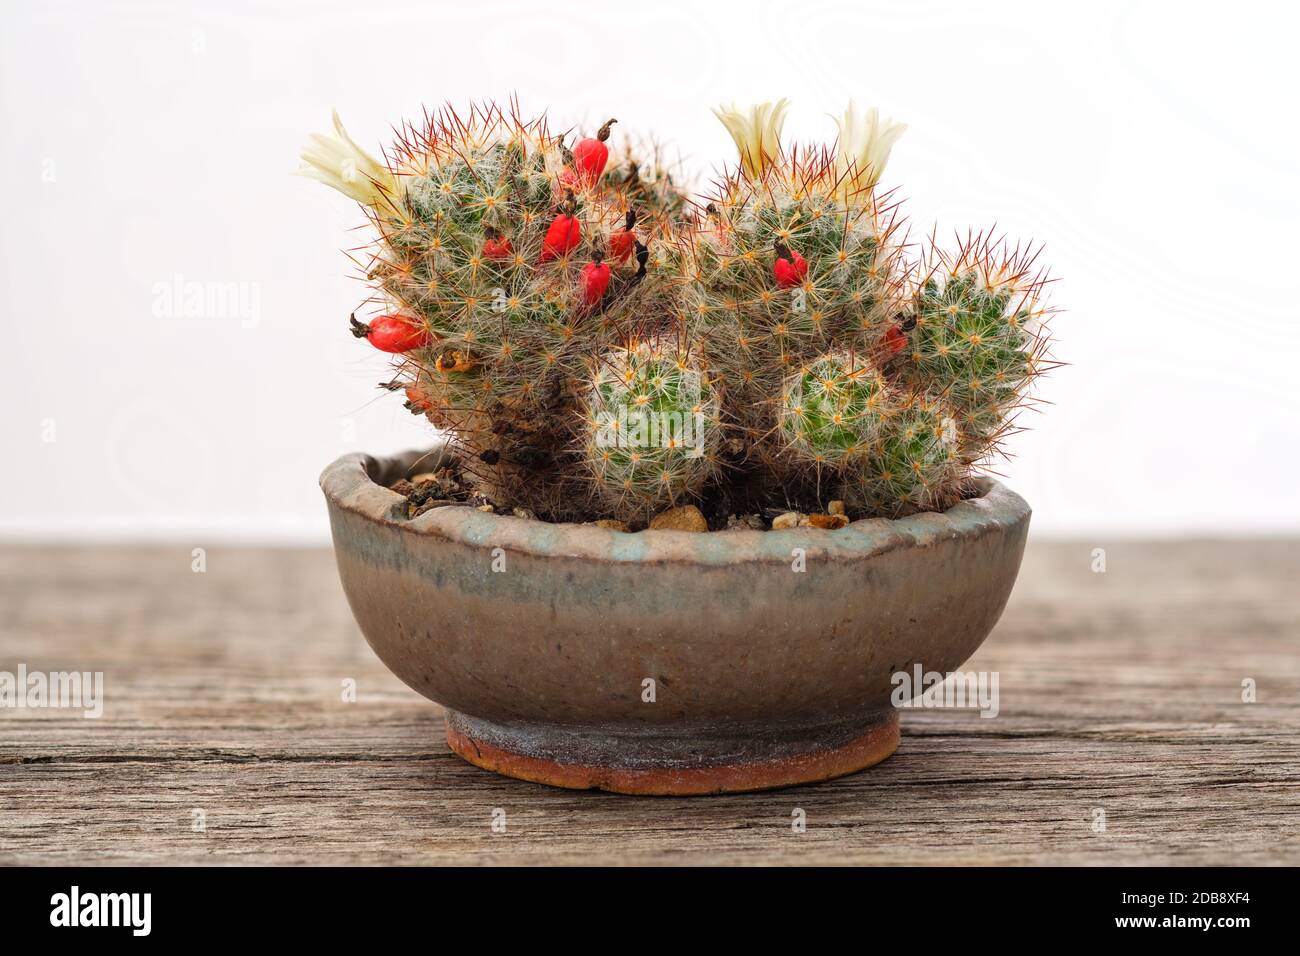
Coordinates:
<point>1153,148</point>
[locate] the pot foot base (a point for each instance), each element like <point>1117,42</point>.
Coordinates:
<point>652,766</point>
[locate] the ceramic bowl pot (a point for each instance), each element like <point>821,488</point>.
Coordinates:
<point>666,662</point>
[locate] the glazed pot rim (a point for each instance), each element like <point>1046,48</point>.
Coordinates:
<point>350,484</point>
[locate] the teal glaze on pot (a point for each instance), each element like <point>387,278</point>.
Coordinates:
<point>762,675</point>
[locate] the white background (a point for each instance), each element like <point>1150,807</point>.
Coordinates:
<point>1152,148</point>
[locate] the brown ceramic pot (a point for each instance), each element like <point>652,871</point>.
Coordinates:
<point>666,662</point>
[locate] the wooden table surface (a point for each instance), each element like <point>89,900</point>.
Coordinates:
<point>1121,702</point>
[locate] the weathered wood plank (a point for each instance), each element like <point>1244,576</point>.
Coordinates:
<point>1120,692</point>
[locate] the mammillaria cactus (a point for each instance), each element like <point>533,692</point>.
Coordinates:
<point>832,409</point>
<point>653,430</point>
<point>975,342</point>
<point>596,343</point>
<point>913,465</point>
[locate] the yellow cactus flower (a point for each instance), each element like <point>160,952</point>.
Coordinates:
<point>338,162</point>
<point>865,142</point>
<point>757,132</point>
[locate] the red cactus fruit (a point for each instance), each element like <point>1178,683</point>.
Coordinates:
<point>591,154</point>
<point>895,340</point>
<point>416,400</point>
<point>623,241</point>
<point>563,234</point>
<point>392,333</point>
<point>789,268</point>
<point>497,246</point>
<point>595,280</point>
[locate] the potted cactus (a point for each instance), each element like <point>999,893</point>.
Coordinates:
<point>707,467</point>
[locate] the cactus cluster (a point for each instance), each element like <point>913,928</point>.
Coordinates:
<point>598,342</point>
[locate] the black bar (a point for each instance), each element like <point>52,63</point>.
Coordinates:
<point>331,905</point>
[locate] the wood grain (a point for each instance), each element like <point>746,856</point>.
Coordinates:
<point>1120,692</point>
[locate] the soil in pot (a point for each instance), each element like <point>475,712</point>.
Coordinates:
<point>451,484</point>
